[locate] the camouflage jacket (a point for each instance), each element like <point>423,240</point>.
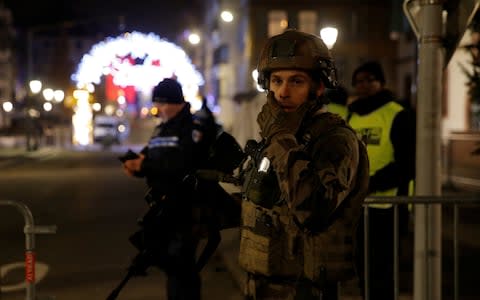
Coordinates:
<point>319,179</point>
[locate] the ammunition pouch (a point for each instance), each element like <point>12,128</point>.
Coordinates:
<point>272,244</point>
<point>268,246</point>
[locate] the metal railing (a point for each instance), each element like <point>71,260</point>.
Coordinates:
<point>454,200</point>
<point>29,230</point>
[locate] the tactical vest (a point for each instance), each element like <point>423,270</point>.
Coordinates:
<point>273,242</point>
<point>374,130</point>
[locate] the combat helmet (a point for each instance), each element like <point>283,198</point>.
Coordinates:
<point>294,49</point>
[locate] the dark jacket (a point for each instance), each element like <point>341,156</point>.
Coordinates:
<point>403,138</point>
<point>170,154</point>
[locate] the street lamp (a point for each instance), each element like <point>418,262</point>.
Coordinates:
<point>48,94</point>
<point>226,16</point>
<point>35,86</point>
<point>47,106</point>
<point>194,38</point>
<point>329,36</point>
<point>58,95</point>
<point>7,106</point>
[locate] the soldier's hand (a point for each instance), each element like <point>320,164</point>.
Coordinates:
<point>273,120</point>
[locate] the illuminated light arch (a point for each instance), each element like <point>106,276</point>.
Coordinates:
<point>137,60</point>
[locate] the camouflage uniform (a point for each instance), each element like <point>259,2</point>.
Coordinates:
<point>303,192</point>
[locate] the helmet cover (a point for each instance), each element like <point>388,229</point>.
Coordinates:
<point>298,50</point>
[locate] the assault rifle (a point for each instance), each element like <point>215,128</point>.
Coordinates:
<point>153,238</point>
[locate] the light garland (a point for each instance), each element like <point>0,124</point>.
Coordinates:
<point>139,60</point>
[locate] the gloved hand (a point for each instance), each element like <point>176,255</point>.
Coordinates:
<point>273,120</point>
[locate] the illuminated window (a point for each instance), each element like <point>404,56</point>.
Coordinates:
<point>307,21</point>
<point>277,22</point>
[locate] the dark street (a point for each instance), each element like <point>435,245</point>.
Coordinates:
<point>95,207</point>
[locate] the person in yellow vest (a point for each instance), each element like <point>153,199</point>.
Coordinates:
<point>388,130</point>
<point>338,98</point>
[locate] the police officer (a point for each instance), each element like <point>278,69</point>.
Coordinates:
<point>306,179</point>
<point>388,130</point>
<point>169,156</point>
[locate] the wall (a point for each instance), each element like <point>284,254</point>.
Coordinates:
<point>456,91</point>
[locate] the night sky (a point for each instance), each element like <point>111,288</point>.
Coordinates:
<point>165,18</point>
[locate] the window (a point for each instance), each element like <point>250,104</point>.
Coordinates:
<point>307,21</point>
<point>277,22</point>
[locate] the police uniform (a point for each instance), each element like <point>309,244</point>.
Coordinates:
<point>170,155</point>
<point>304,186</point>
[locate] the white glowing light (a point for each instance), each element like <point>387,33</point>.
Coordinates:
<point>90,88</point>
<point>80,94</point>
<point>194,38</point>
<point>48,94</point>
<point>82,119</point>
<point>329,36</point>
<point>7,106</point>
<point>109,110</point>
<point>47,106</point>
<point>96,106</point>
<point>121,100</point>
<point>35,86</point>
<point>58,95</point>
<point>137,59</point>
<point>226,16</point>
<point>121,128</point>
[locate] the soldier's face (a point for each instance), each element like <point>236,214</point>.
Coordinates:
<point>291,88</point>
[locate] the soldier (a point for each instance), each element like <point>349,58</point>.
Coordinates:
<point>305,181</point>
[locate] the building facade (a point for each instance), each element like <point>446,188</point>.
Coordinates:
<point>7,70</point>
<point>231,49</point>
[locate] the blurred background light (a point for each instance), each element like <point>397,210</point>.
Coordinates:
<point>329,36</point>
<point>226,16</point>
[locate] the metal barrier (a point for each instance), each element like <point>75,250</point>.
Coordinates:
<point>29,230</point>
<point>454,200</point>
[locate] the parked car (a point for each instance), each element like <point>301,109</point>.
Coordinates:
<point>109,130</point>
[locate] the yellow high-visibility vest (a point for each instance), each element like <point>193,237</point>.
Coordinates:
<point>374,130</point>
<point>338,109</point>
